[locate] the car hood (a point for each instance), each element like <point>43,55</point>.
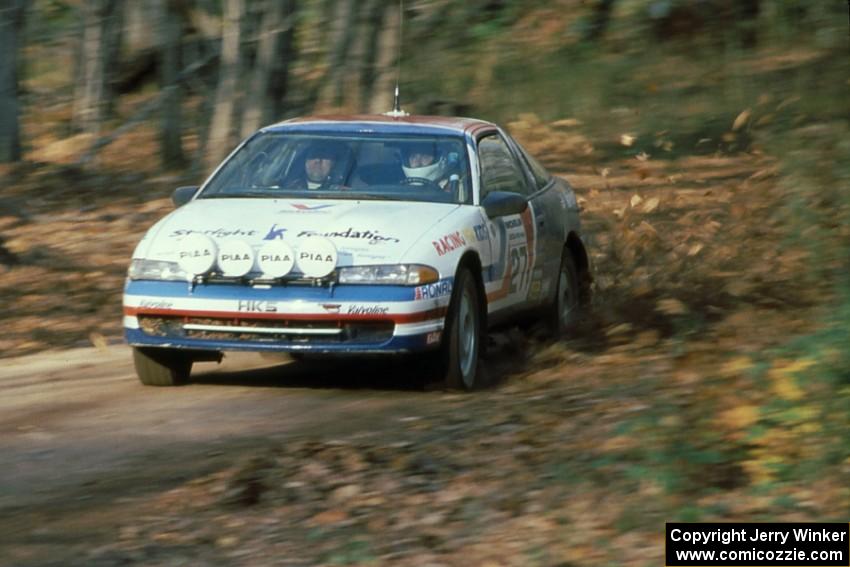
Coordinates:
<point>364,232</point>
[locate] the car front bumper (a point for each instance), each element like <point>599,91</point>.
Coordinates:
<point>295,318</point>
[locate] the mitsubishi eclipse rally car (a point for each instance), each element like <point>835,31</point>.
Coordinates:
<point>357,235</point>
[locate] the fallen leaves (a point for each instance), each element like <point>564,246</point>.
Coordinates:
<point>651,205</point>
<point>741,120</point>
<point>671,306</point>
<point>783,376</point>
<point>740,417</point>
<point>329,517</point>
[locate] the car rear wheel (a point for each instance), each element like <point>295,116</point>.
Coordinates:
<point>566,310</point>
<point>461,347</point>
<point>161,367</point>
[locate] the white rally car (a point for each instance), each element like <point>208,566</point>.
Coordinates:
<point>357,235</point>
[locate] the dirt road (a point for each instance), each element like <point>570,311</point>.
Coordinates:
<point>83,441</point>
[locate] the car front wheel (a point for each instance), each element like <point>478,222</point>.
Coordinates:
<point>161,367</point>
<point>461,347</point>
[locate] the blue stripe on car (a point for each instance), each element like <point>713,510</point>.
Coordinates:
<point>407,343</point>
<point>378,293</point>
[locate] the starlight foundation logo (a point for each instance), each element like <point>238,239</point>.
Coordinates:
<point>371,236</point>
<point>213,232</point>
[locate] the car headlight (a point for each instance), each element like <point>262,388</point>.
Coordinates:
<point>388,274</point>
<point>141,269</point>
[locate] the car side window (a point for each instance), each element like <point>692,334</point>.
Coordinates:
<point>499,169</point>
<point>541,176</point>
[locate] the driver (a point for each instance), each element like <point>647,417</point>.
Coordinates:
<point>422,160</point>
<point>320,161</point>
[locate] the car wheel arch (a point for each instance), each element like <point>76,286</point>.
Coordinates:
<point>471,261</point>
<point>577,250</point>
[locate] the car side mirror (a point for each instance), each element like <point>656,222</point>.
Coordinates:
<point>183,195</point>
<point>502,203</point>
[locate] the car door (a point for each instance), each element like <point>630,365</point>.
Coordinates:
<point>514,238</point>
<point>550,218</point>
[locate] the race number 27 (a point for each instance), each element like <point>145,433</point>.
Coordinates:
<point>519,268</point>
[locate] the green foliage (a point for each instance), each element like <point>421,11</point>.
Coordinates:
<point>354,552</point>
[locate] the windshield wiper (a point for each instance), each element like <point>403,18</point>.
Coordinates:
<point>270,192</point>
<point>355,196</point>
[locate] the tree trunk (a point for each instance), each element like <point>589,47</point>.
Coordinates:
<point>373,20</point>
<point>137,24</point>
<point>748,11</point>
<point>98,57</point>
<point>221,130</point>
<point>11,23</point>
<point>385,73</point>
<point>599,20</point>
<point>342,34</point>
<point>171,27</point>
<point>269,78</point>
<point>279,82</point>
<point>113,39</point>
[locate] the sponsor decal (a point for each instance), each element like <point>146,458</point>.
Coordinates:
<point>370,236</point>
<point>307,208</point>
<point>519,268</point>
<point>433,337</point>
<point>276,258</point>
<point>196,253</point>
<point>235,258</point>
<point>315,257</point>
<point>257,306</point>
<point>434,290</point>
<point>275,233</point>
<point>367,310</point>
<point>193,254</point>
<point>331,307</point>
<point>214,232</point>
<point>514,259</point>
<point>477,233</point>
<point>449,243</point>
<point>155,304</point>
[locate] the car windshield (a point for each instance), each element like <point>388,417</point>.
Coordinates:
<point>358,166</point>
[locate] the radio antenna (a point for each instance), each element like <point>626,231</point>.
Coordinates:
<point>397,112</point>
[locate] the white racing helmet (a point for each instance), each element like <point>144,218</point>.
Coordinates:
<point>433,171</point>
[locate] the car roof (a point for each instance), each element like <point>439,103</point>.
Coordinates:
<point>410,124</point>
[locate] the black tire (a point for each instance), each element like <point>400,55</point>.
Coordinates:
<point>460,351</point>
<point>161,367</point>
<point>304,356</point>
<point>565,312</point>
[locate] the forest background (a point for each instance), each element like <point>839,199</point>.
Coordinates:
<point>708,140</point>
